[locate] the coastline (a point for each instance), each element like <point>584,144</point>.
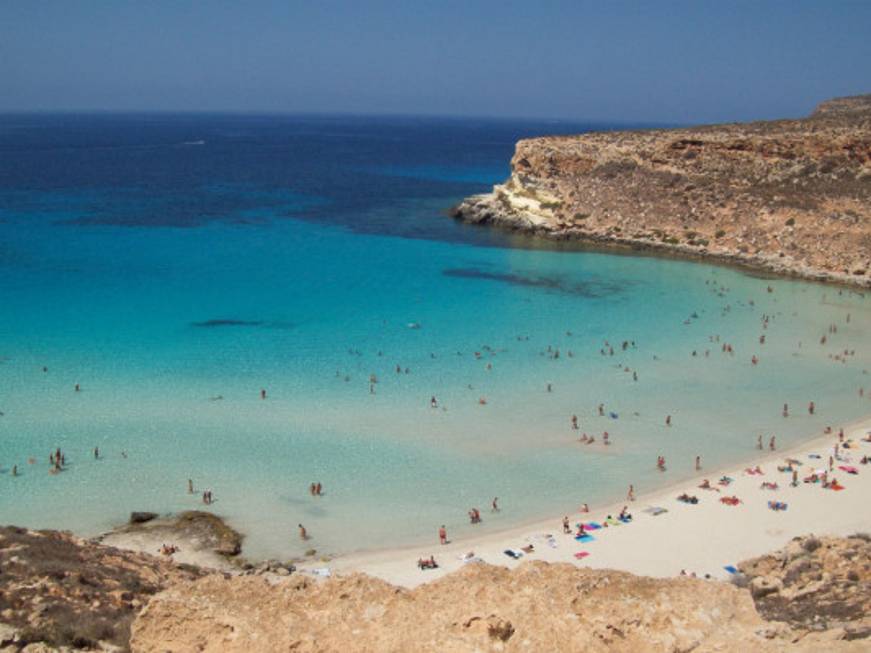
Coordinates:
<point>712,534</point>
<point>483,211</point>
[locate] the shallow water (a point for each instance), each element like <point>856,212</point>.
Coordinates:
<point>293,255</point>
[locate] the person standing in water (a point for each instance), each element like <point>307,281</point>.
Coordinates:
<point>303,534</point>
<point>811,408</point>
<point>494,506</point>
<point>631,494</point>
<point>190,486</point>
<point>771,444</point>
<point>698,463</point>
<point>443,535</point>
<point>263,393</point>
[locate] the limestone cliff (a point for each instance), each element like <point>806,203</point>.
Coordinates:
<point>791,196</point>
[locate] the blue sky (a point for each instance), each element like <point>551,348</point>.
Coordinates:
<point>622,61</point>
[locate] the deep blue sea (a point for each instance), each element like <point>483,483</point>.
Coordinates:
<point>176,265</point>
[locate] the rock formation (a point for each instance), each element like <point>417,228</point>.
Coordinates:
<point>58,590</point>
<point>61,592</point>
<point>790,196</point>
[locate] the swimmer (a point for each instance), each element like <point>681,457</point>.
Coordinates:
<point>668,420</point>
<point>303,534</point>
<point>262,393</point>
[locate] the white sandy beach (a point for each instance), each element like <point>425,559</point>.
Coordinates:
<point>700,538</point>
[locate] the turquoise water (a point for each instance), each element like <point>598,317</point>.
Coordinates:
<point>156,321</point>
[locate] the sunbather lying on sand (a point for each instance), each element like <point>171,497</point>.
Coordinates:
<point>686,498</point>
<point>731,501</point>
<point>768,485</point>
<point>424,563</point>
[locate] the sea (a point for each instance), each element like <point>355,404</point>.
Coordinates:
<point>175,268</point>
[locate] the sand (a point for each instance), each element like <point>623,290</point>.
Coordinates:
<point>700,539</point>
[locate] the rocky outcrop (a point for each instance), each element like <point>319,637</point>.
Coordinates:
<point>59,592</point>
<point>816,584</point>
<point>536,607</point>
<point>790,196</point>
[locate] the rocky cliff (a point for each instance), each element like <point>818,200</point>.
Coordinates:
<point>60,593</point>
<point>791,196</point>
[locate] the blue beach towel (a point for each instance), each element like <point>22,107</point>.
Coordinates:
<point>731,569</point>
<point>585,538</point>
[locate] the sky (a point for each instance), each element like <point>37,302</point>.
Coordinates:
<point>666,61</point>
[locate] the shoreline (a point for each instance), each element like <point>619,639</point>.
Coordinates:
<point>616,547</point>
<point>469,212</point>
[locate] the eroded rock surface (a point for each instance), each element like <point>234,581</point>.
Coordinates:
<point>537,607</point>
<point>791,196</point>
<point>58,590</point>
<point>816,584</point>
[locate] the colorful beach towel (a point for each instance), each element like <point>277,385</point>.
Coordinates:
<point>582,554</point>
<point>849,469</point>
<point>585,538</point>
<point>592,526</point>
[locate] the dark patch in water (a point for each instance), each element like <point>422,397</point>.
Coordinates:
<point>229,322</point>
<point>592,289</point>
<point>208,324</point>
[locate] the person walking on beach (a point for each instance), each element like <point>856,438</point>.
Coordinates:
<point>630,496</point>
<point>566,528</point>
<point>771,444</point>
<point>443,535</point>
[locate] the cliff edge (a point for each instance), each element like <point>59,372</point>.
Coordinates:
<point>789,196</point>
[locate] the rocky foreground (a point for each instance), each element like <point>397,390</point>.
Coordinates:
<point>789,196</point>
<point>61,593</point>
